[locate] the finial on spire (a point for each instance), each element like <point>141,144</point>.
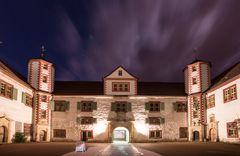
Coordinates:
<point>43,49</point>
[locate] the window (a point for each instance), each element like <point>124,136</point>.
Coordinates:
<point>155,106</point>
<point>45,66</point>
<point>180,106</point>
<point>232,130</point>
<point>194,80</point>
<point>154,121</point>
<point>61,106</point>
<point>121,106</point>
<point>183,132</point>
<point>230,93</point>
<point>44,79</point>
<point>195,114</point>
<point>6,89</point>
<point>86,106</point>
<point>121,86</point>
<point>86,120</point>
<point>18,126</point>
<point>194,68</point>
<point>87,133</point>
<point>211,101</point>
<point>43,114</point>
<point>212,118</point>
<point>120,73</point>
<point>195,103</point>
<point>155,134</point>
<point>28,100</point>
<point>27,129</point>
<point>44,98</point>
<point>59,133</point>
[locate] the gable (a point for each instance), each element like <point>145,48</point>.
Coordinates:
<point>119,73</point>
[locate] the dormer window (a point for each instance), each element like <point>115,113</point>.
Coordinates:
<point>45,66</point>
<point>120,73</point>
<point>120,86</point>
<point>194,69</point>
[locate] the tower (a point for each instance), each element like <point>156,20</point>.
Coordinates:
<point>41,78</point>
<point>197,81</point>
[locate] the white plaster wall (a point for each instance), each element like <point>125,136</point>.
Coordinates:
<point>35,74</point>
<point>225,112</point>
<point>109,91</point>
<point>204,76</point>
<point>44,86</point>
<point>67,120</point>
<point>15,109</point>
<point>186,80</point>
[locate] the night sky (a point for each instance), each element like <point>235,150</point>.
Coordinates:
<point>152,39</point>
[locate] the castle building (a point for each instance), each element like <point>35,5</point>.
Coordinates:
<point>120,108</point>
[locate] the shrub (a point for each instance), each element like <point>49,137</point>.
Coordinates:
<point>19,137</point>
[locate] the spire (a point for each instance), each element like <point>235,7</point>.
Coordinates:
<point>43,49</point>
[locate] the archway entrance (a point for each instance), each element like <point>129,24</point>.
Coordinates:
<point>121,134</point>
<point>195,136</point>
<point>43,135</point>
<point>213,134</point>
<point>3,134</point>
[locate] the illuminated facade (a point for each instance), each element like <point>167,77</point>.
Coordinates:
<point>120,108</point>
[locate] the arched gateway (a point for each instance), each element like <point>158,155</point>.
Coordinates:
<point>3,134</point>
<point>120,134</point>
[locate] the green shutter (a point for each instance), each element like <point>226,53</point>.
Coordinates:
<point>14,93</point>
<point>162,120</point>
<point>175,106</point>
<point>78,120</point>
<point>147,106</point>
<point>162,106</point>
<point>113,106</point>
<point>94,106</point>
<point>52,104</point>
<point>94,120</point>
<point>79,106</point>
<point>147,120</point>
<point>67,105</point>
<point>129,107</point>
<point>23,97</point>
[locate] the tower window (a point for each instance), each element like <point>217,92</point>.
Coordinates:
<point>194,81</point>
<point>44,79</point>
<point>44,98</point>
<point>43,114</point>
<point>194,69</point>
<point>120,73</point>
<point>45,66</point>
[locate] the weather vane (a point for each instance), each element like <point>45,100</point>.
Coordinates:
<point>43,49</point>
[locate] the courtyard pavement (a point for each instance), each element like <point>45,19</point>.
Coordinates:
<point>162,148</point>
<point>114,149</point>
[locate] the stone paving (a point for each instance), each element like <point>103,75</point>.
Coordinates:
<point>115,149</point>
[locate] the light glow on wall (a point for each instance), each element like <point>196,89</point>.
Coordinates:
<point>100,127</point>
<point>141,127</point>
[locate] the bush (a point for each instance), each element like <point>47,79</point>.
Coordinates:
<point>19,137</point>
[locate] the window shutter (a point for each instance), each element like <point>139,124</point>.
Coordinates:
<point>94,120</point>
<point>162,120</point>
<point>79,106</point>
<point>129,107</point>
<point>52,104</point>
<point>23,97</point>
<point>147,120</point>
<point>14,93</point>
<point>175,106</point>
<point>113,106</point>
<point>162,106</point>
<point>78,120</point>
<point>67,105</point>
<point>94,105</point>
<point>147,106</point>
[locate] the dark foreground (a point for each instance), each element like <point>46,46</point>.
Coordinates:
<point>165,149</point>
<point>192,148</point>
